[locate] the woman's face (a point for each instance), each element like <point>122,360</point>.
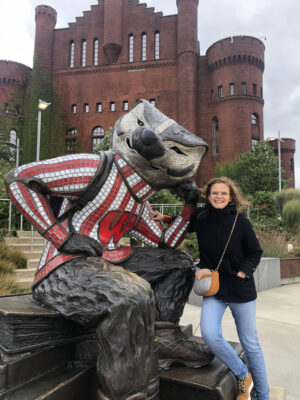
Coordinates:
<point>219,195</point>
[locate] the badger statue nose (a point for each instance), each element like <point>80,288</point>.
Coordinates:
<point>148,137</point>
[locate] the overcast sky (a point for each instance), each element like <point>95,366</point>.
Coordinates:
<point>276,22</point>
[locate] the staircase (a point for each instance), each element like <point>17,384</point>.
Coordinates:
<point>31,244</point>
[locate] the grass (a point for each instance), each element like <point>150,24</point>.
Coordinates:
<point>273,243</point>
<point>9,261</point>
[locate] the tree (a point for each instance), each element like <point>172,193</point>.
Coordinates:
<point>106,142</point>
<point>256,170</point>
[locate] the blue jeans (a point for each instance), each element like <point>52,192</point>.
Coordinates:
<point>244,315</point>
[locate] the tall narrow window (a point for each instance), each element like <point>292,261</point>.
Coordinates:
<point>74,109</point>
<point>254,89</point>
<point>71,54</point>
<point>6,108</point>
<point>97,136</point>
<point>215,136</point>
<point>254,119</point>
<point>71,141</point>
<point>231,88</point>
<point>220,91</point>
<point>99,107</point>
<point>152,101</point>
<point>86,108</point>
<point>291,164</point>
<point>83,53</point>
<point>13,137</point>
<point>130,47</point>
<point>244,87</point>
<point>95,51</point>
<point>144,46</point>
<point>125,105</point>
<point>112,106</point>
<point>253,142</point>
<point>156,45</point>
<point>212,94</point>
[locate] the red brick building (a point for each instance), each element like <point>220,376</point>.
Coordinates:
<point>121,51</point>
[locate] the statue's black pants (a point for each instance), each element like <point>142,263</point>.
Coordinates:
<point>171,275</point>
<point>121,306</point>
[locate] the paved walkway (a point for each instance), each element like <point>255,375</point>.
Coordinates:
<point>278,324</point>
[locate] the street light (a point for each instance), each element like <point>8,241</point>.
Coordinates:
<point>18,148</point>
<point>42,105</point>
<point>279,140</point>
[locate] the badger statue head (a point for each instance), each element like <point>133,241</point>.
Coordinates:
<point>162,152</point>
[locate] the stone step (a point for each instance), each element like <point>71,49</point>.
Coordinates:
<point>23,274</point>
<point>29,234</point>
<point>27,248</point>
<point>65,383</point>
<point>10,241</point>
<point>32,263</point>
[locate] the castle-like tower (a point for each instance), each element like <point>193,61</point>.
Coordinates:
<point>287,151</point>
<point>120,51</point>
<point>13,83</point>
<point>45,21</point>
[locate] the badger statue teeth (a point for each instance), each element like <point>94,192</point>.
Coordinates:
<point>145,137</point>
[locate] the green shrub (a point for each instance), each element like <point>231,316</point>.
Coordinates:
<point>280,198</point>
<point>13,256</point>
<point>291,214</point>
<point>263,202</point>
<point>190,245</point>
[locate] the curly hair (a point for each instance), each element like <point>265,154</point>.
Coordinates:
<point>237,197</point>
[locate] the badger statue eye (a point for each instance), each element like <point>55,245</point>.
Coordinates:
<point>141,123</point>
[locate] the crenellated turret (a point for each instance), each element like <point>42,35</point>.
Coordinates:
<point>112,41</point>
<point>187,51</point>
<point>45,21</point>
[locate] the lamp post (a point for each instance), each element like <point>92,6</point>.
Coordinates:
<point>42,105</point>
<point>279,140</point>
<point>18,148</point>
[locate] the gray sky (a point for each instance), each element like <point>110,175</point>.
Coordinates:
<point>275,20</point>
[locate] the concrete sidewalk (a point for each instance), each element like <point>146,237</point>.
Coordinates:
<point>278,325</point>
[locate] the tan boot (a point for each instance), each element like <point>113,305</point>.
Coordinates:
<point>245,386</point>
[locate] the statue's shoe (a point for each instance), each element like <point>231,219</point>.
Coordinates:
<point>175,348</point>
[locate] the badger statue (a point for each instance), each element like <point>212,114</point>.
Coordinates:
<point>83,204</point>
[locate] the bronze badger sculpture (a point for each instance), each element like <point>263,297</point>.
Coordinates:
<point>83,204</point>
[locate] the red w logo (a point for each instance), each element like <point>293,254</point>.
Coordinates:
<point>114,225</point>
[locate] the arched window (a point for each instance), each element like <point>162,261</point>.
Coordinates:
<point>95,51</point>
<point>144,46</point>
<point>83,53</point>
<point>97,136</point>
<point>13,137</point>
<point>130,47</point>
<point>71,54</point>
<point>71,142</point>
<point>254,119</point>
<point>156,45</point>
<point>215,136</point>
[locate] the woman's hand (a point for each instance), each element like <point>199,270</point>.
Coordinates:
<point>241,274</point>
<point>202,271</point>
<point>156,216</point>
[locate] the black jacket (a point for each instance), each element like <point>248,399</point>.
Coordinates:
<point>243,253</point>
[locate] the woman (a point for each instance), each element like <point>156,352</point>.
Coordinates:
<point>212,225</point>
